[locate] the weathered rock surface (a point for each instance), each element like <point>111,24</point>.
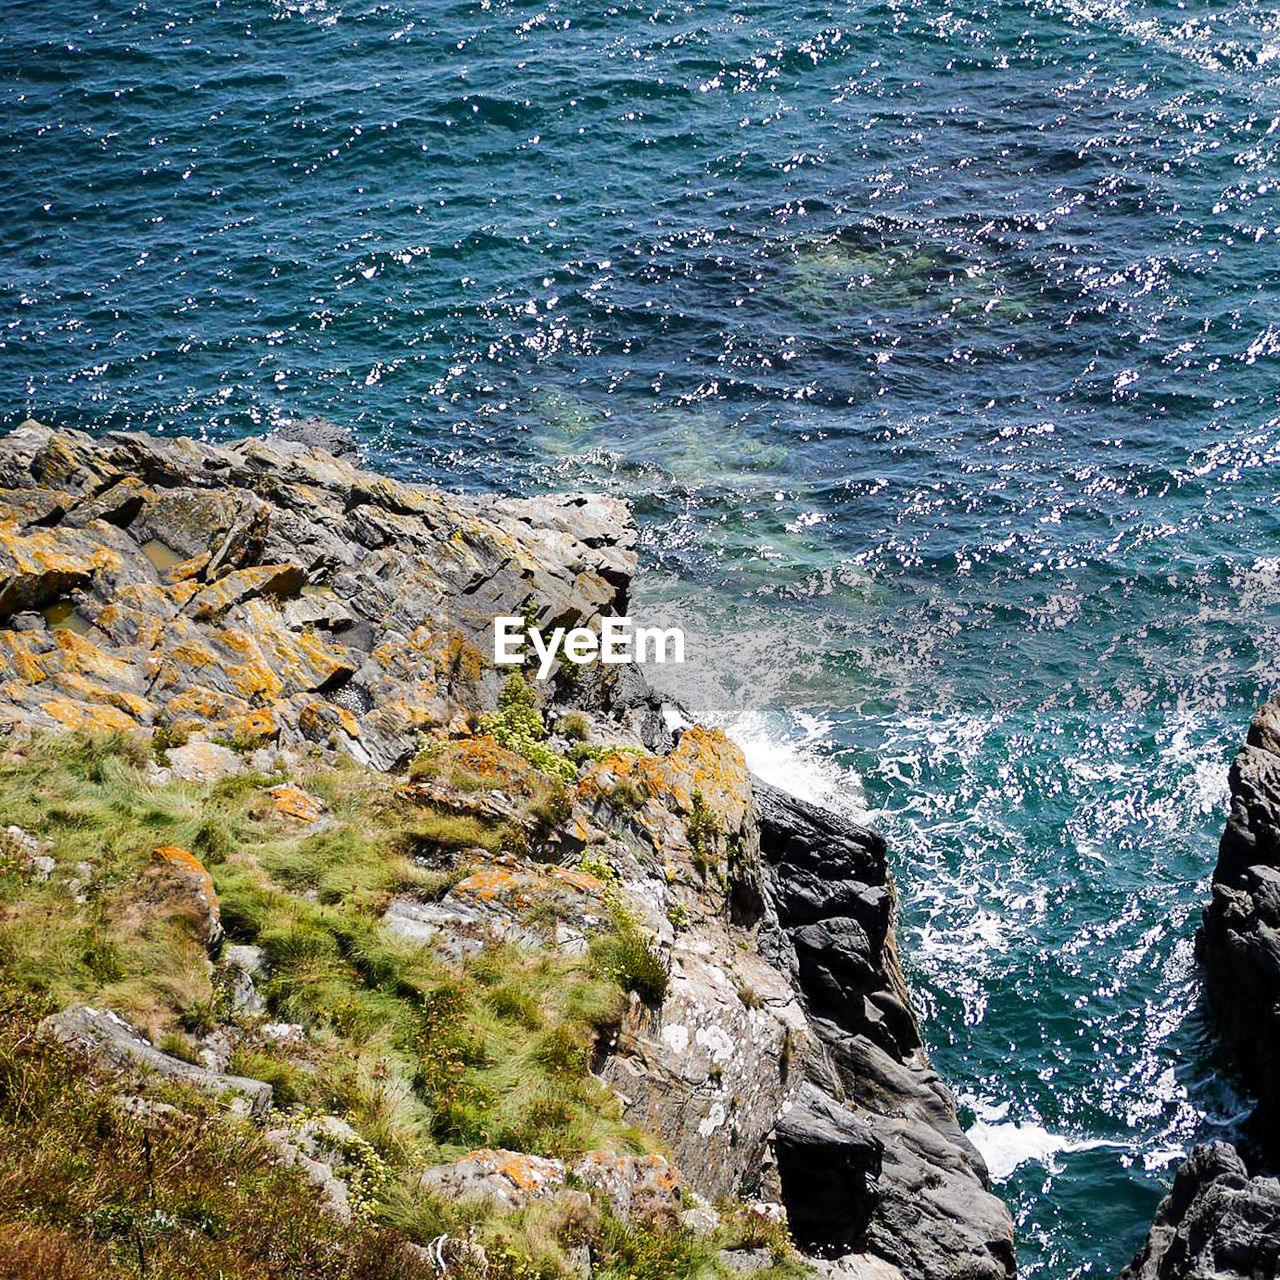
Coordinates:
<point>267,597</point>
<point>1217,1223</point>
<point>1239,942</point>
<point>109,1039</point>
<point>828,926</point>
<point>268,591</point>
<point>829,1162</point>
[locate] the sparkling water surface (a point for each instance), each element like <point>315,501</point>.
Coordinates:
<point>936,345</point>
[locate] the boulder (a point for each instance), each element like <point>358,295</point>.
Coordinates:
<point>110,1040</point>
<point>1217,1223</point>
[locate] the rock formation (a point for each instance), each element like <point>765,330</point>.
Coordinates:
<point>1218,1222</point>
<point>1239,942</point>
<point>248,603</point>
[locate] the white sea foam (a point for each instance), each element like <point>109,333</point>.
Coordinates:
<point>792,761</point>
<point>1006,1145</point>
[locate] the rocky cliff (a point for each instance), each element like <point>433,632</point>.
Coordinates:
<point>570,876</point>
<point>1219,1221</point>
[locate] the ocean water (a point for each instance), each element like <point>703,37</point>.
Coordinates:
<point>938,346</point>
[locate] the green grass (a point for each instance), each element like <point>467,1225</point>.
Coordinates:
<point>426,1058</point>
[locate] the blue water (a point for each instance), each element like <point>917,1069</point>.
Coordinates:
<point>937,346</point>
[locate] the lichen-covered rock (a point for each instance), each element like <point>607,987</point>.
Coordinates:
<point>322,1149</point>
<point>1217,1223</point>
<point>203,762</point>
<point>509,1178</point>
<point>109,1039</point>
<point>642,1188</point>
<point>296,804</point>
<point>270,591</point>
<point>196,885</point>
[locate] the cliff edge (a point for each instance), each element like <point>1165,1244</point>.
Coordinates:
<point>300,840</point>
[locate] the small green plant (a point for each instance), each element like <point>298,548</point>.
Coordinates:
<point>633,963</point>
<point>573,726</point>
<point>678,915</point>
<point>704,829</point>
<point>518,726</point>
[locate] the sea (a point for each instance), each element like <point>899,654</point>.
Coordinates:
<point>937,346</point>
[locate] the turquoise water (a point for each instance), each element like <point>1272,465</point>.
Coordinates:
<point>937,346</point>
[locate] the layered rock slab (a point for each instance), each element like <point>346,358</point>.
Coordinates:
<point>269,591</point>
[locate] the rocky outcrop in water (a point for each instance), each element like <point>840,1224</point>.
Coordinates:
<point>1217,1223</point>
<point>829,928</point>
<point>1239,943</point>
<point>253,602</point>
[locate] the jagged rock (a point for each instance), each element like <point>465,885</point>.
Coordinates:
<point>315,432</point>
<point>829,1163</point>
<point>1217,1223</point>
<point>828,925</point>
<point>856,1266</point>
<point>1239,942</point>
<point>272,592</point>
<point>643,1187</point>
<point>108,1038</point>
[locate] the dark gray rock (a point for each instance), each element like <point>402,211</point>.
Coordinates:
<point>316,432</point>
<point>828,924</point>
<point>1239,942</point>
<point>829,1162</point>
<point>1217,1223</point>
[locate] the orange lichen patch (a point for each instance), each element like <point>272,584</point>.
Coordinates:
<point>161,602</point>
<point>89,691</point>
<point>518,887</point>
<point>206,704</point>
<point>246,584</point>
<point>526,1173</point>
<point>37,567</point>
<point>704,761</point>
<point>255,726</point>
<point>76,715</point>
<point>186,570</point>
<point>84,655</point>
<point>318,719</point>
<point>19,657</point>
<point>303,661</point>
<point>294,803</point>
<point>252,678</point>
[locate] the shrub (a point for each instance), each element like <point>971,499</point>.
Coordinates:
<point>633,963</point>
